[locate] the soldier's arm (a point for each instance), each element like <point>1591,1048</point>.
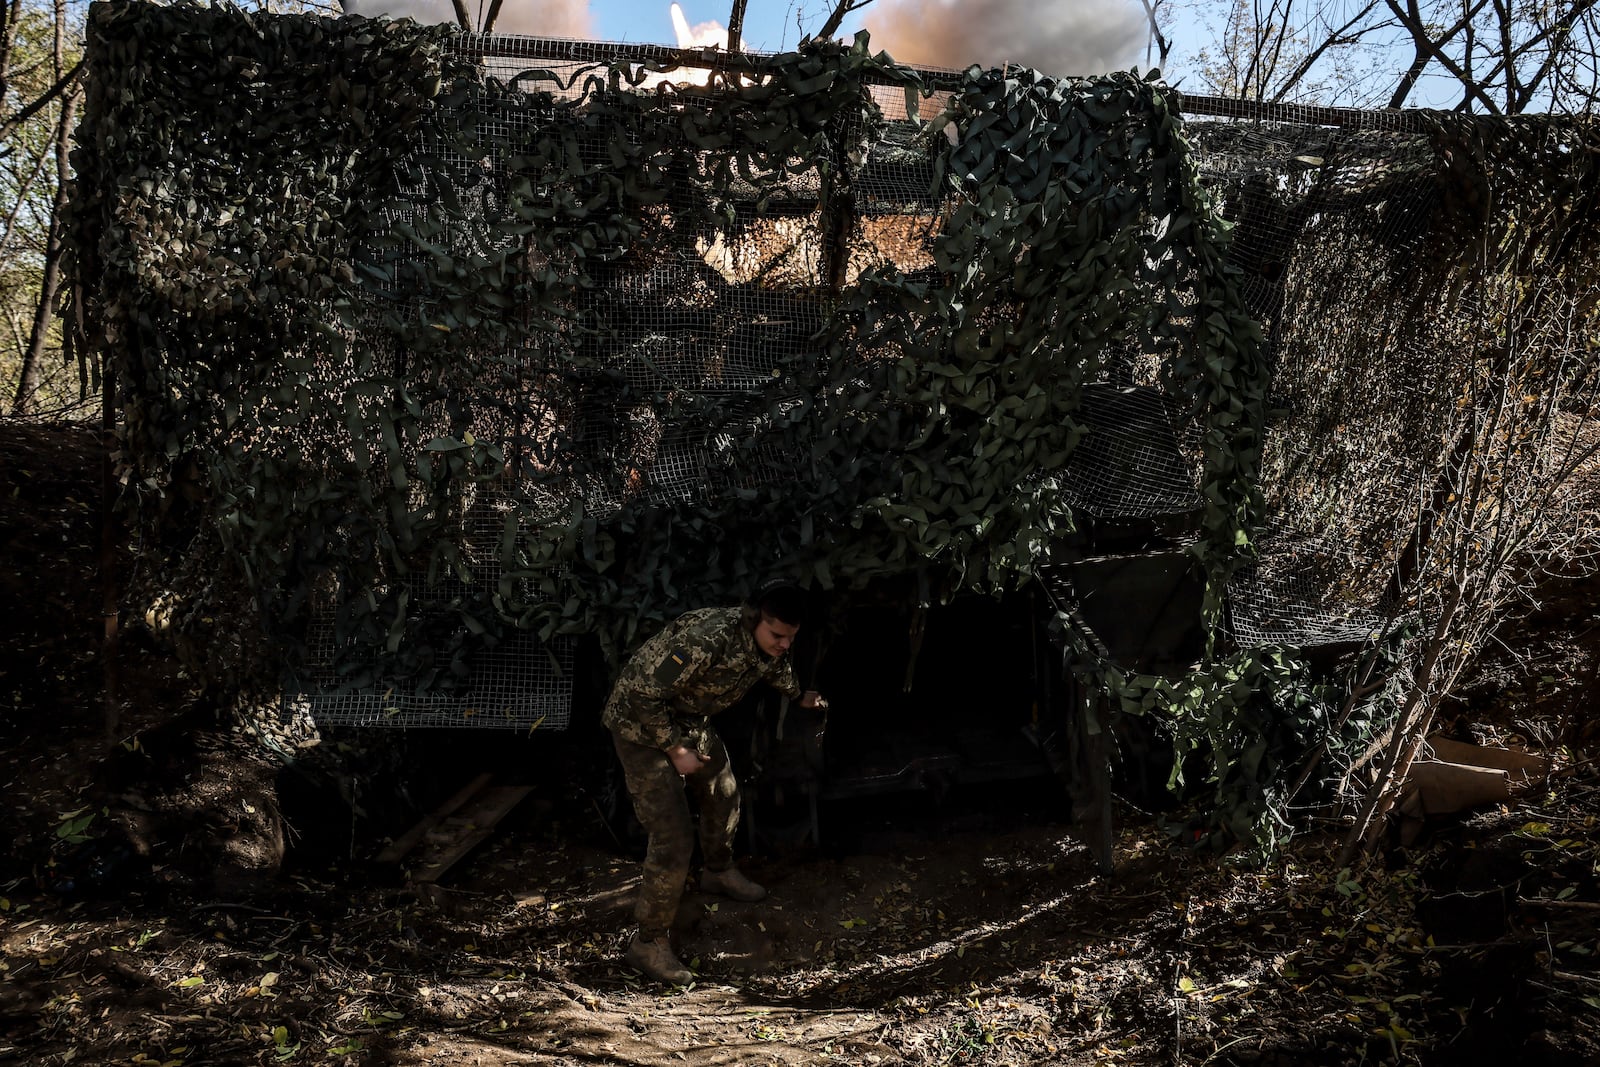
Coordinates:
<point>785,683</point>
<point>671,673</point>
<point>783,679</point>
<point>665,669</point>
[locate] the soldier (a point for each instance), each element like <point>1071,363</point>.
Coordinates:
<point>659,717</point>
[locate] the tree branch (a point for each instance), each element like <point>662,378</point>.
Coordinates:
<point>1422,56</point>
<point>1518,100</point>
<point>493,13</point>
<point>1335,37</point>
<point>1163,46</point>
<point>1411,22</point>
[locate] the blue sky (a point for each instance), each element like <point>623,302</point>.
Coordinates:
<point>769,25</point>
<point>1080,37</point>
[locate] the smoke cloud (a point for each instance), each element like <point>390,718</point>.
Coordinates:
<point>538,18</point>
<point>1054,37</point>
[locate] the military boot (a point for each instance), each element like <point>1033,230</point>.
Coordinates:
<point>656,959</point>
<point>731,883</point>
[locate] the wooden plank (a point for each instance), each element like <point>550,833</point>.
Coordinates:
<point>1521,766</point>
<point>459,834</point>
<point>410,839</point>
<point>1450,787</point>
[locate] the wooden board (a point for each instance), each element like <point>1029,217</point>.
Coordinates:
<point>454,829</point>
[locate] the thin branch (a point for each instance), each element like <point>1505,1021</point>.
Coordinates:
<point>1562,28</point>
<point>12,122</point>
<point>1414,719</point>
<point>1507,51</point>
<point>1341,37</point>
<point>1279,38</point>
<point>1253,60</point>
<point>50,281</point>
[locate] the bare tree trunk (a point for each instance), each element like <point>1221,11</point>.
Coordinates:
<point>25,400</point>
<point>1408,80</point>
<point>50,283</point>
<point>11,14</point>
<point>1156,39</point>
<point>494,13</point>
<point>736,24</point>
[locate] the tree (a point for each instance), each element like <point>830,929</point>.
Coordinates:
<point>1488,56</point>
<point>1502,511</point>
<point>39,92</point>
<point>1280,50</point>
<point>1505,56</point>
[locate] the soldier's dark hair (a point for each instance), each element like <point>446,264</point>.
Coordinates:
<point>778,598</point>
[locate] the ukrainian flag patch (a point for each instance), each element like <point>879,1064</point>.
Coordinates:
<point>671,666</point>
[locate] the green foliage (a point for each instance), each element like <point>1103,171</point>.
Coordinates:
<point>1080,231</point>
<point>1253,716</point>
<point>73,826</point>
<point>1252,720</point>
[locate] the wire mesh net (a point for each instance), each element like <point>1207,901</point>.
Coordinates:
<point>1387,333</point>
<point>1136,456</point>
<point>518,682</point>
<point>521,684</point>
<point>1320,212</point>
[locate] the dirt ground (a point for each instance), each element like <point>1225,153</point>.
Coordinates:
<point>957,933</point>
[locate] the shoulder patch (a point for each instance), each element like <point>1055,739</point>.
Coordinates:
<point>671,666</point>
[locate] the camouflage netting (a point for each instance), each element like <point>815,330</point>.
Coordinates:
<point>484,342</point>
<point>469,345</point>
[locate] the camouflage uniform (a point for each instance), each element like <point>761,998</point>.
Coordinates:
<point>701,664</point>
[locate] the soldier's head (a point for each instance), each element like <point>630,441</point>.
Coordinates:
<point>773,613</point>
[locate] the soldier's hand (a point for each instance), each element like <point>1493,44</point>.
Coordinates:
<point>686,760</point>
<point>813,699</point>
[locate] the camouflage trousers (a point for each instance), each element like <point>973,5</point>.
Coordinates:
<point>661,803</point>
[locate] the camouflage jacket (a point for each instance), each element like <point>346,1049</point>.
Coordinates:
<point>702,663</point>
